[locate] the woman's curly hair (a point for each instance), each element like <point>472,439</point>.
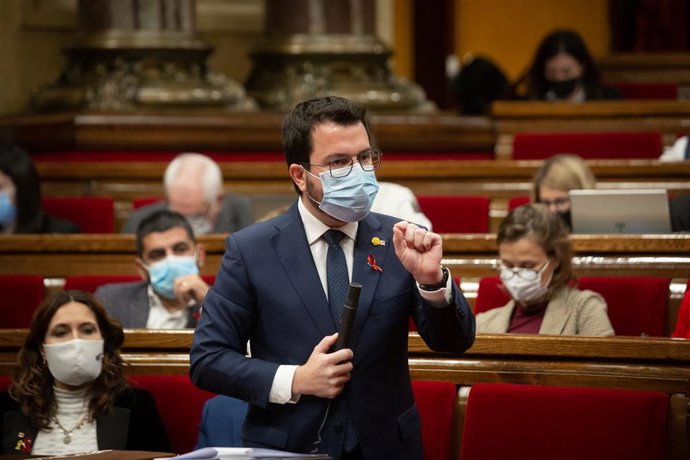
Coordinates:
<point>32,384</point>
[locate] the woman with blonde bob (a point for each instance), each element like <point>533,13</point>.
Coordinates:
<point>69,393</point>
<point>559,175</point>
<point>536,270</point>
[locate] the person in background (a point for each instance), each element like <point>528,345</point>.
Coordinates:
<point>479,83</point>
<point>221,422</point>
<point>283,282</point>
<point>194,188</point>
<point>536,270</point>
<point>682,330</point>
<point>559,175</point>
<point>399,201</point>
<point>20,196</point>
<point>563,70</point>
<point>171,291</point>
<point>69,393</point>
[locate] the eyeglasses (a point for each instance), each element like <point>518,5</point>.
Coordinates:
<point>527,274</point>
<point>342,166</point>
<point>558,202</point>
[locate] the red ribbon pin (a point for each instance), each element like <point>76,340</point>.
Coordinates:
<point>371,260</point>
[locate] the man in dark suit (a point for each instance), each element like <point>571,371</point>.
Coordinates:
<point>194,188</point>
<point>276,288</point>
<point>171,291</point>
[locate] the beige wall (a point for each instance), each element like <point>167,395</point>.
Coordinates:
<point>509,31</point>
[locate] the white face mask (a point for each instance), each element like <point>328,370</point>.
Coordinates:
<point>75,362</point>
<point>525,284</point>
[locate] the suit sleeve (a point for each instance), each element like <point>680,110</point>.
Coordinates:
<point>218,354</point>
<point>447,329</point>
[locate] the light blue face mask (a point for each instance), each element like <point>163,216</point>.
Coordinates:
<point>162,274</point>
<point>348,198</point>
<point>8,210</point>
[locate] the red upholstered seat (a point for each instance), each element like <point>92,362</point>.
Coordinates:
<point>517,201</point>
<point>641,90</point>
<point>435,402</point>
<point>636,304</point>
<point>606,145</point>
<point>179,403</point>
<point>92,214</point>
<point>5,381</point>
<point>146,200</point>
<point>21,295</point>
<point>508,421</point>
<point>92,282</point>
<point>456,213</point>
<point>490,294</point>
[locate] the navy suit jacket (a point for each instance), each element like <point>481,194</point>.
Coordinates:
<point>268,290</point>
<point>221,422</point>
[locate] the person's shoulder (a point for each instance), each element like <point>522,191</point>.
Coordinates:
<point>56,225</point>
<point>581,298</point>
<point>7,402</point>
<point>133,396</point>
<point>119,290</point>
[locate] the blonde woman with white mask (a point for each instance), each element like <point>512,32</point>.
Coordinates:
<point>536,270</point>
<point>69,393</point>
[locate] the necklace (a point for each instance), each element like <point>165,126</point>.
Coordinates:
<point>68,433</point>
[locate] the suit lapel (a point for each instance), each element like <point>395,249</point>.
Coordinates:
<point>362,272</point>
<point>18,434</point>
<point>292,249</point>
<point>138,305</point>
<point>556,316</point>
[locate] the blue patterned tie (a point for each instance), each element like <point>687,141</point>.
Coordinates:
<point>336,274</point>
<point>338,283</point>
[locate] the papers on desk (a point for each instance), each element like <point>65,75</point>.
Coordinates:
<point>244,453</point>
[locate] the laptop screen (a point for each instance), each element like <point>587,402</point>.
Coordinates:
<point>620,211</point>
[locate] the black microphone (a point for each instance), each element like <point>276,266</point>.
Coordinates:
<point>347,319</point>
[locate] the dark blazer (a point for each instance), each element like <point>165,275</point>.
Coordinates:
<point>129,303</point>
<point>221,422</point>
<point>132,424</point>
<point>268,290</point>
<point>235,214</point>
<point>680,213</point>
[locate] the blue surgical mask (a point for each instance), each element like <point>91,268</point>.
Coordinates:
<point>8,210</point>
<point>162,274</point>
<point>348,198</point>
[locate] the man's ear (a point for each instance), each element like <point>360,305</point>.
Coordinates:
<point>141,269</point>
<point>200,255</point>
<point>298,175</point>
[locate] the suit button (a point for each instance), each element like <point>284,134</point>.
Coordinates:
<point>338,427</point>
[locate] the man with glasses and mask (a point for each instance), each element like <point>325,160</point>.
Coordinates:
<point>281,286</point>
<point>536,270</point>
<point>171,291</point>
<point>194,188</point>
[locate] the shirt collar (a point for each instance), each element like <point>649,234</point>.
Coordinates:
<point>314,228</point>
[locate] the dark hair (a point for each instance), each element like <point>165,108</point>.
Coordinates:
<point>536,222</point>
<point>299,124</point>
<point>32,384</point>
<point>16,163</point>
<point>479,83</point>
<point>161,221</point>
<point>568,42</point>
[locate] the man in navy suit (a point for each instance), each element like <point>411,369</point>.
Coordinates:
<point>273,290</point>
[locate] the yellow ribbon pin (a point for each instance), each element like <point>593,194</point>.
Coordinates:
<point>376,241</point>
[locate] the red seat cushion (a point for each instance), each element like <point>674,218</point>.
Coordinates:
<point>435,402</point>
<point>456,213</point>
<point>607,145</point>
<point>517,201</point>
<point>642,90</point>
<point>90,283</point>
<point>92,214</point>
<point>179,403</point>
<point>636,304</point>
<point>490,294</point>
<point>507,421</point>
<point>21,295</point>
